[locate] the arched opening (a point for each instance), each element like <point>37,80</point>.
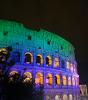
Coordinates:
<point>3,55</point>
<point>57,97</point>
<point>70,97</point>
<point>69,80</point>
<point>71,67</point>
<point>48,97</point>
<point>65,97</point>
<point>39,78</point>
<point>56,62</point>
<point>57,79</point>
<point>73,81</point>
<point>28,58</point>
<point>39,59</point>
<point>27,77</point>
<point>13,76</point>
<point>64,80</point>
<point>75,68</point>
<point>49,79</point>
<point>48,61</point>
<point>67,65</point>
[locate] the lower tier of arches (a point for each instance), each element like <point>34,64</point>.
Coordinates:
<point>48,77</point>
<point>61,94</point>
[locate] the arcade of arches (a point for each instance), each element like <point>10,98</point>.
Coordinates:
<point>49,61</point>
<point>61,97</point>
<point>49,79</point>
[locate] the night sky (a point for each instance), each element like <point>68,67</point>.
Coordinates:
<point>68,19</point>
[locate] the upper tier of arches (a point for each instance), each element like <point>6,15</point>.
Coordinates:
<point>49,61</point>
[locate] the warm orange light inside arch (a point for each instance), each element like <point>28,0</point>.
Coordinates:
<point>39,78</point>
<point>48,61</point>
<point>57,79</point>
<point>13,75</point>
<point>3,50</point>
<point>27,77</point>
<point>69,81</point>
<point>56,62</point>
<point>28,57</point>
<point>64,80</point>
<point>49,79</point>
<point>28,74</point>
<point>71,67</point>
<point>40,59</point>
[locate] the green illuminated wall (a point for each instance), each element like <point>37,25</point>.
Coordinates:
<point>18,36</point>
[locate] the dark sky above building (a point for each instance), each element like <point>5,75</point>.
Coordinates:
<point>69,19</point>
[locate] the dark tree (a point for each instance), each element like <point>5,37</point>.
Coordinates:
<point>16,90</point>
<point>23,91</point>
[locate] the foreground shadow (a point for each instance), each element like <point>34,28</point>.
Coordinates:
<point>20,91</point>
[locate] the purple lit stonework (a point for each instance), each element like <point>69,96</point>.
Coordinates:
<point>44,57</point>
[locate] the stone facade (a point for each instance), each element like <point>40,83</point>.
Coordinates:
<point>83,90</point>
<point>51,59</point>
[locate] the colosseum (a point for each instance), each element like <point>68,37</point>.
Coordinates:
<point>46,57</point>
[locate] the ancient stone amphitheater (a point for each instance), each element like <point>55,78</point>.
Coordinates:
<point>43,56</point>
